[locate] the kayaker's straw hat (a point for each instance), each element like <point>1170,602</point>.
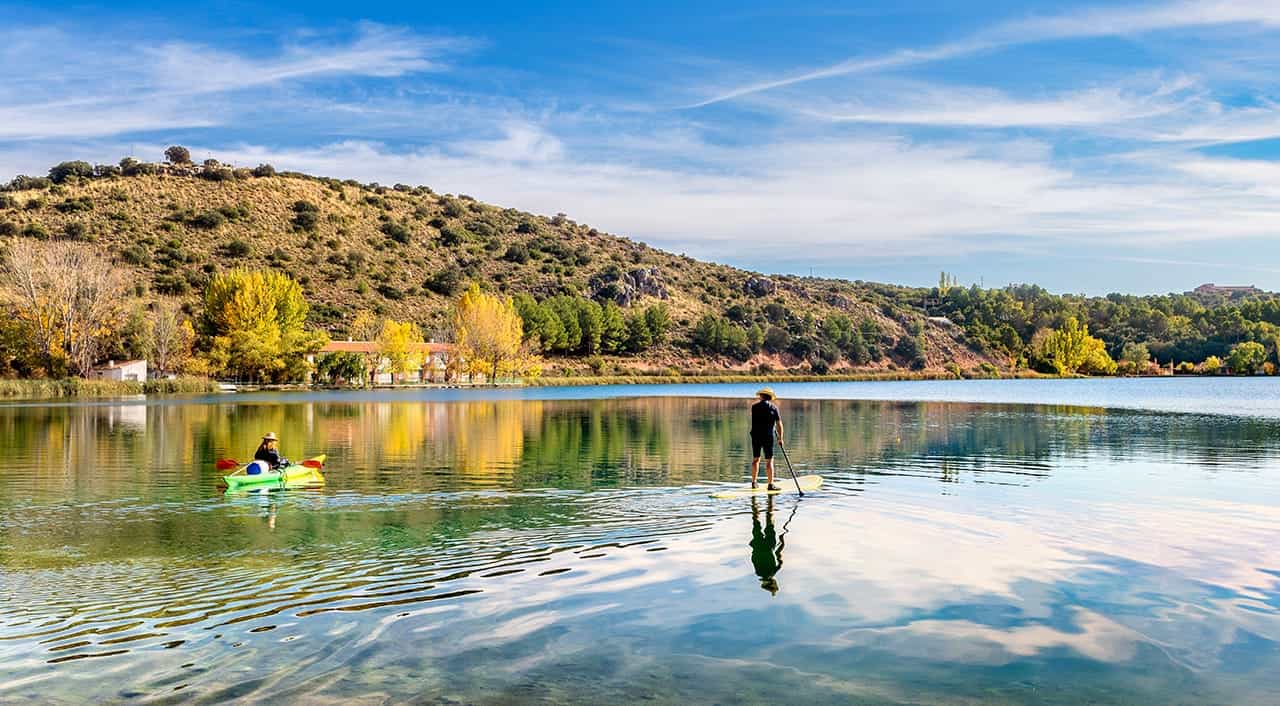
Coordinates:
<point>767,393</point>
<point>270,436</point>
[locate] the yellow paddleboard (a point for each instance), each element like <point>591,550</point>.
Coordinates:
<point>807,483</point>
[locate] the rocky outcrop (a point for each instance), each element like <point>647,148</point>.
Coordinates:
<point>839,301</point>
<point>759,286</point>
<point>625,289</point>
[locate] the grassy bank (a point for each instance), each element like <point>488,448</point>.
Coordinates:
<point>76,387</point>
<point>712,379</point>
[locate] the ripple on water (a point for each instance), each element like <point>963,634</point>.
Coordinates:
<point>77,613</point>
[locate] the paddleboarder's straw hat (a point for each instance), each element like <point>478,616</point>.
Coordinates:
<point>766,392</point>
<point>270,436</point>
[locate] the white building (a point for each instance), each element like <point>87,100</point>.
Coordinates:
<point>135,370</point>
<point>432,358</point>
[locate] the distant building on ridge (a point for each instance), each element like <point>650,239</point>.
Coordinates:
<point>1227,290</point>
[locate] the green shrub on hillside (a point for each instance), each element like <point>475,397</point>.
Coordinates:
<point>131,167</point>
<point>73,205</point>
<point>911,348</point>
<point>22,182</point>
<point>213,171</point>
<point>208,220</point>
<point>136,254</point>
<point>390,292</point>
<point>452,237</point>
<point>236,249</point>
<point>445,282</point>
<point>63,171</point>
<point>76,230</point>
<point>517,253</point>
<point>397,231</point>
<point>35,230</point>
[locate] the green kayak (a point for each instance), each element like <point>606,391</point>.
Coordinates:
<point>305,473</point>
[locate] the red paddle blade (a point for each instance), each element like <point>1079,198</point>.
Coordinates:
<point>312,463</point>
<point>225,464</point>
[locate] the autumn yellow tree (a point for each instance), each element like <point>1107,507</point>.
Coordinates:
<point>256,323</point>
<point>1070,349</point>
<point>488,334</point>
<point>68,300</point>
<point>397,345</point>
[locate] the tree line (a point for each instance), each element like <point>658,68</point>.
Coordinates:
<point>741,332</point>
<point>1191,332</point>
<point>571,325</point>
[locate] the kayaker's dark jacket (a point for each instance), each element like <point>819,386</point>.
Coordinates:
<point>270,455</point>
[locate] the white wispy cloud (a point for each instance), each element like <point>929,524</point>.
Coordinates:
<point>375,51</point>
<point>100,119</point>
<point>1101,22</point>
<point>65,84</point>
<point>915,103</point>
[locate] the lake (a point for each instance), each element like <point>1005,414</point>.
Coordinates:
<point>1112,543</point>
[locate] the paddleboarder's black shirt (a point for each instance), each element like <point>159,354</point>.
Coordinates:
<point>764,415</point>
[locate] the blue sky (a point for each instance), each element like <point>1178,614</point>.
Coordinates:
<point>1085,147</point>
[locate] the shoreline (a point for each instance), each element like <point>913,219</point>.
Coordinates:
<point>73,389</point>
<point>895,376</point>
<point>77,388</point>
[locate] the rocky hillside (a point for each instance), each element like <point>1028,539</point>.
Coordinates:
<point>405,251</point>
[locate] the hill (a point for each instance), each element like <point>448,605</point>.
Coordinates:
<point>405,252</point>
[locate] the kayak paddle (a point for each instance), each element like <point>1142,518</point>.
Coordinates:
<point>225,464</point>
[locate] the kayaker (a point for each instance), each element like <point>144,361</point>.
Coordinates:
<point>269,452</point>
<point>765,419</point>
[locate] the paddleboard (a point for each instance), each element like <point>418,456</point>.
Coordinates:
<point>807,483</point>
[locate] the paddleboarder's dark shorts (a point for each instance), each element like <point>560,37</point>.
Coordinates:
<point>762,443</point>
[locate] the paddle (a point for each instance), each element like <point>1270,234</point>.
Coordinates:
<point>792,468</point>
<point>225,464</point>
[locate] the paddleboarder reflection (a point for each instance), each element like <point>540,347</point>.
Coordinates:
<point>767,544</point>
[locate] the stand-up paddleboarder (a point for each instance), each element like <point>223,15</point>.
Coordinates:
<point>765,419</point>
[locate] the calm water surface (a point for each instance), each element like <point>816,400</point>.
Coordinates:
<point>492,550</point>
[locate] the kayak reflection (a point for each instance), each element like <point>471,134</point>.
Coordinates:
<point>767,544</point>
<point>267,501</point>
